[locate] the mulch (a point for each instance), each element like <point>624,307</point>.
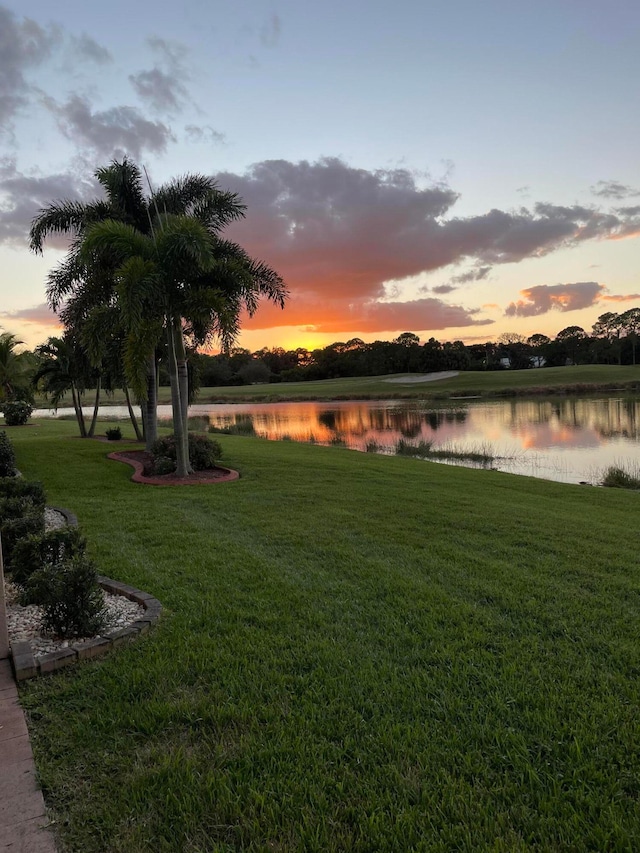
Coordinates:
<point>142,463</point>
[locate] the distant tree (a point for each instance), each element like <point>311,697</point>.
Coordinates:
<point>570,342</point>
<point>515,348</point>
<point>539,345</point>
<point>630,323</point>
<point>608,327</point>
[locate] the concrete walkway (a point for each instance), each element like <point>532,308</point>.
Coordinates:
<point>23,820</point>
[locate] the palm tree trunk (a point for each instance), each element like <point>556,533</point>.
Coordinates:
<point>95,408</point>
<point>183,378</point>
<point>182,458</point>
<point>77,405</point>
<point>132,414</point>
<point>150,405</point>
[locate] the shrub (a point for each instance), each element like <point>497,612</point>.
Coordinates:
<point>7,456</point>
<point>13,530</point>
<point>70,596</point>
<point>30,492</point>
<point>618,478</point>
<point>50,548</point>
<point>114,434</point>
<point>163,465</point>
<point>203,451</point>
<point>16,413</point>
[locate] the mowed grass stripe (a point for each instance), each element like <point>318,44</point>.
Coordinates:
<point>360,653</point>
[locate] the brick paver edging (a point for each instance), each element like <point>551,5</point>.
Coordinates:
<point>228,475</point>
<point>26,666</point>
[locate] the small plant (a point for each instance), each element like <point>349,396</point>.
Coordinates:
<point>203,451</point>
<point>34,552</point>
<point>337,440</point>
<point>14,530</point>
<point>16,413</point>
<point>243,426</point>
<point>114,434</point>
<point>372,447</point>
<point>70,596</point>
<point>163,465</point>
<point>406,448</point>
<point>617,478</point>
<point>7,456</point>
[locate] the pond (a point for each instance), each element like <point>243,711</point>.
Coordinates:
<point>570,439</point>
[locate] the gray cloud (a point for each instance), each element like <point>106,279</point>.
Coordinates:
<point>562,297</point>
<point>332,229</point>
<point>444,288</point>
<point>270,31</point>
<point>87,48</point>
<point>613,189</point>
<point>472,275</point>
<point>24,44</point>
<point>22,196</point>
<point>110,133</point>
<point>204,133</point>
<point>163,87</point>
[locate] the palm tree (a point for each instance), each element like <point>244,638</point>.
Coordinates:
<point>64,368</point>
<point>185,280</point>
<point>85,282</point>
<point>16,370</point>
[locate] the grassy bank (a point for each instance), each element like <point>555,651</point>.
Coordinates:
<point>359,653</point>
<point>553,380</point>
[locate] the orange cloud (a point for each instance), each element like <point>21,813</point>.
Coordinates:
<point>630,297</point>
<point>563,297</point>
<point>337,315</point>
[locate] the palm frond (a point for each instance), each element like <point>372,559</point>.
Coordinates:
<point>123,185</point>
<point>63,217</point>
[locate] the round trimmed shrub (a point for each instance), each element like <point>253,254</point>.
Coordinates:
<point>16,413</point>
<point>203,451</point>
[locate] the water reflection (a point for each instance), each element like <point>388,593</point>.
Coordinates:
<point>559,438</point>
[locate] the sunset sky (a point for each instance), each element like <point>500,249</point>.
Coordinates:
<point>455,169</point>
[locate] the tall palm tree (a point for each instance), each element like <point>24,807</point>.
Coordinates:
<point>91,281</point>
<point>187,280</point>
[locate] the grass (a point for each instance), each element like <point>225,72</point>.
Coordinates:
<point>426,450</point>
<point>552,380</point>
<point>358,653</point>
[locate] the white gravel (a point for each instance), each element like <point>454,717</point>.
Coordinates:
<point>25,623</point>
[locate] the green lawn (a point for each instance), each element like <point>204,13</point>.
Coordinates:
<point>591,377</point>
<point>358,653</point>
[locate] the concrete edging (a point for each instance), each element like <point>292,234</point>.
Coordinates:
<point>26,666</point>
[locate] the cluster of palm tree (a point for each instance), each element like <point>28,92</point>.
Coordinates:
<point>149,275</point>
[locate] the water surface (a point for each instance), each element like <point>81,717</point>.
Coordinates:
<point>568,439</point>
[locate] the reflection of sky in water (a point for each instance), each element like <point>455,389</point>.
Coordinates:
<point>567,439</point>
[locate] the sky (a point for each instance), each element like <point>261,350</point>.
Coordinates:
<point>454,169</point>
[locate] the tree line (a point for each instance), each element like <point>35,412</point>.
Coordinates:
<point>613,339</point>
